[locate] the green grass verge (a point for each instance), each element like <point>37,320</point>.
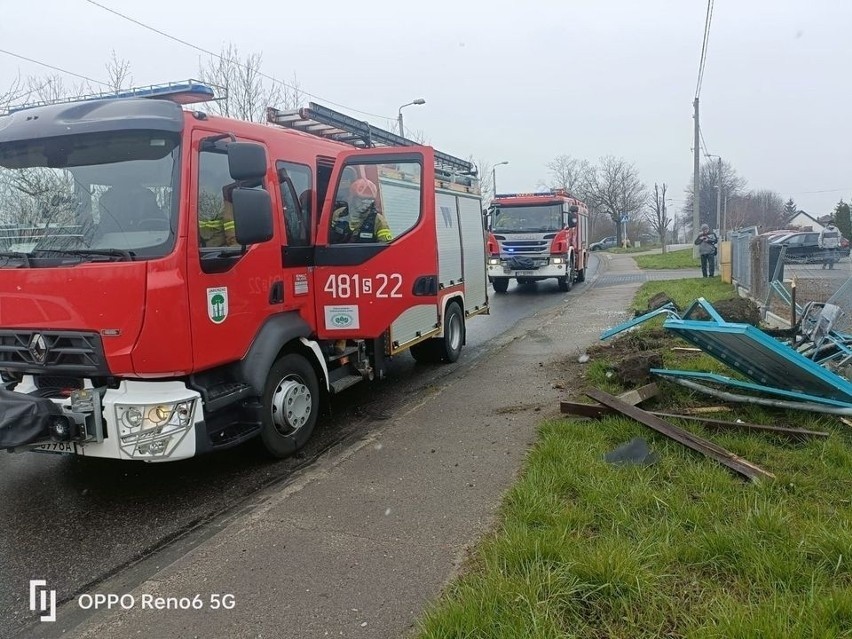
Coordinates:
<point>682,548</point>
<point>683,292</point>
<point>634,249</point>
<point>673,259</point>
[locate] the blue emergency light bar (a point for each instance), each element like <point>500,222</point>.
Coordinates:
<point>185,92</point>
<point>551,193</point>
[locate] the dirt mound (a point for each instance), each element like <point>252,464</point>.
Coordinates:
<point>736,309</point>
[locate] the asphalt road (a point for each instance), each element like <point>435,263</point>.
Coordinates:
<point>75,521</point>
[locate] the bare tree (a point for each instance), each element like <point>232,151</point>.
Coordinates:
<point>658,217</point>
<point>762,208</point>
<point>247,91</point>
<point>571,174</point>
<point>709,179</point>
<point>118,73</point>
<point>616,190</point>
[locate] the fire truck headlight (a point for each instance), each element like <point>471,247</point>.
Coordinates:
<point>153,430</point>
<point>558,260</point>
<point>493,261</point>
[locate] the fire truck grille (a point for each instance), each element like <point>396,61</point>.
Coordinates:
<point>54,352</point>
<point>532,247</point>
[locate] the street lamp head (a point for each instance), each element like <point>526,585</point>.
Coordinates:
<point>419,101</point>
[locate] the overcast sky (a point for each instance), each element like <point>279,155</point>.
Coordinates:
<point>522,81</point>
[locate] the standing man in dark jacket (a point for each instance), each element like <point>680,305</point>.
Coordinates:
<point>706,243</point>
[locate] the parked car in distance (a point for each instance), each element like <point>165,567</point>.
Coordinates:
<point>602,245</point>
<point>804,247</point>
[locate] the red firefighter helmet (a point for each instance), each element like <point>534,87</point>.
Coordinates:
<point>363,188</point>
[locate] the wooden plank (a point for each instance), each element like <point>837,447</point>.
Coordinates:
<point>639,395</point>
<point>693,442</point>
<point>778,430</point>
<point>632,397</point>
<point>698,410</point>
<point>585,410</point>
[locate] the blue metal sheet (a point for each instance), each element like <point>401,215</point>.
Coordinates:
<point>761,358</point>
<point>667,309</point>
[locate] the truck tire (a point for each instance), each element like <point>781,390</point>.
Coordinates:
<point>500,284</point>
<point>290,405</point>
<point>581,275</point>
<point>446,348</point>
<point>565,283</point>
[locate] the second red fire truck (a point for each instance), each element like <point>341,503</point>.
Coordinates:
<point>537,236</point>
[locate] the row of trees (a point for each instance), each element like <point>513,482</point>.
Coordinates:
<point>611,188</point>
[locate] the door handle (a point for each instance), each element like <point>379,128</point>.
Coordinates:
<point>276,292</point>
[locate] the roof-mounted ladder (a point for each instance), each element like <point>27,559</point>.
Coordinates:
<point>184,92</point>
<point>332,125</point>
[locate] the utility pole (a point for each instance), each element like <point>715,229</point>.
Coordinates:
<point>696,186</point>
<point>719,202</point>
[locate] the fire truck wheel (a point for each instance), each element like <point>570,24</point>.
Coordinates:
<point>446,348</point>
<point>581,275</point>
<point>450,346</point>
<point>500,284</point>
<point>290,405</point>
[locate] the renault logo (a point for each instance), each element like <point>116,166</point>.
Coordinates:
<point>38,348</point>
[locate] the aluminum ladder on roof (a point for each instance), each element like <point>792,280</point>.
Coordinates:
<point>332,125</point>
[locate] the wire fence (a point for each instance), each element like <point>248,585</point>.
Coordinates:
<point>779,278</point>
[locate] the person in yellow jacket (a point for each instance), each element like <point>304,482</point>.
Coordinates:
<point>358,220</point>
<point>219,230</point>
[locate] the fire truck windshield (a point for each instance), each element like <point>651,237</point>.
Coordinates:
<point>94,195</point>
<point>527,219</point>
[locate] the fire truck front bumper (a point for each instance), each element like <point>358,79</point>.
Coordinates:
<point>531,268</point>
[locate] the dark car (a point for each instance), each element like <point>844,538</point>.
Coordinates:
<point>602,245</point>
<point>804,247</point>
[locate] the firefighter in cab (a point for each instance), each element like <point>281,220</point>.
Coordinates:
<point>216,227</point>
<point>357,219</point>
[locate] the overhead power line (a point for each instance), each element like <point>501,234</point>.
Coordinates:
<point>50,66</point>
<point>229,61</point>
<point>703,59</point>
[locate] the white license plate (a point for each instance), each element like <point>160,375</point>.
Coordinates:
<point>525,272</point>
<point>56,447</point>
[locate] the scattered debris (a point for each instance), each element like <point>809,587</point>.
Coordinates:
<point>596,411</point>
<point>636,451</point>
<point>739,310</point>
<point>685,349</point>
<point>700,410</point>
<point>639,395</point>
<point>707,448</point>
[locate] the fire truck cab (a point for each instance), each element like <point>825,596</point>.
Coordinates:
<point>173,282</point>
<point>537,236</point>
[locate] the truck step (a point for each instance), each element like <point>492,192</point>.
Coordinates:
<point>226,394</point>
<point>345,382</point>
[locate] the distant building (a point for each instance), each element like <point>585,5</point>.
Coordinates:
<point>806,222</point>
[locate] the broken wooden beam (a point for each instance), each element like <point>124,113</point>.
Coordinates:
<point>632,397</point>
<point>597,411</point>
<point>639,395</point>
<point>721,423</point>
<point>693,442</point>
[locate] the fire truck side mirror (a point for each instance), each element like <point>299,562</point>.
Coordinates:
<point>252,216</point>
<point>246,161</point>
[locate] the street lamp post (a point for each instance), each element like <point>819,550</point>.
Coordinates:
<point>494,175</point>
<point>418,102</point>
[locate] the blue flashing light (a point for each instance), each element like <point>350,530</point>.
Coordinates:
<point>185,92</point>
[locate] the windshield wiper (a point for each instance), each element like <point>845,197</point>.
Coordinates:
<point>16,255</point>
<point>121,254</point>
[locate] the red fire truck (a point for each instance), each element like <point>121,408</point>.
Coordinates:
<point>537,236</point>
<point>197,281</point>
